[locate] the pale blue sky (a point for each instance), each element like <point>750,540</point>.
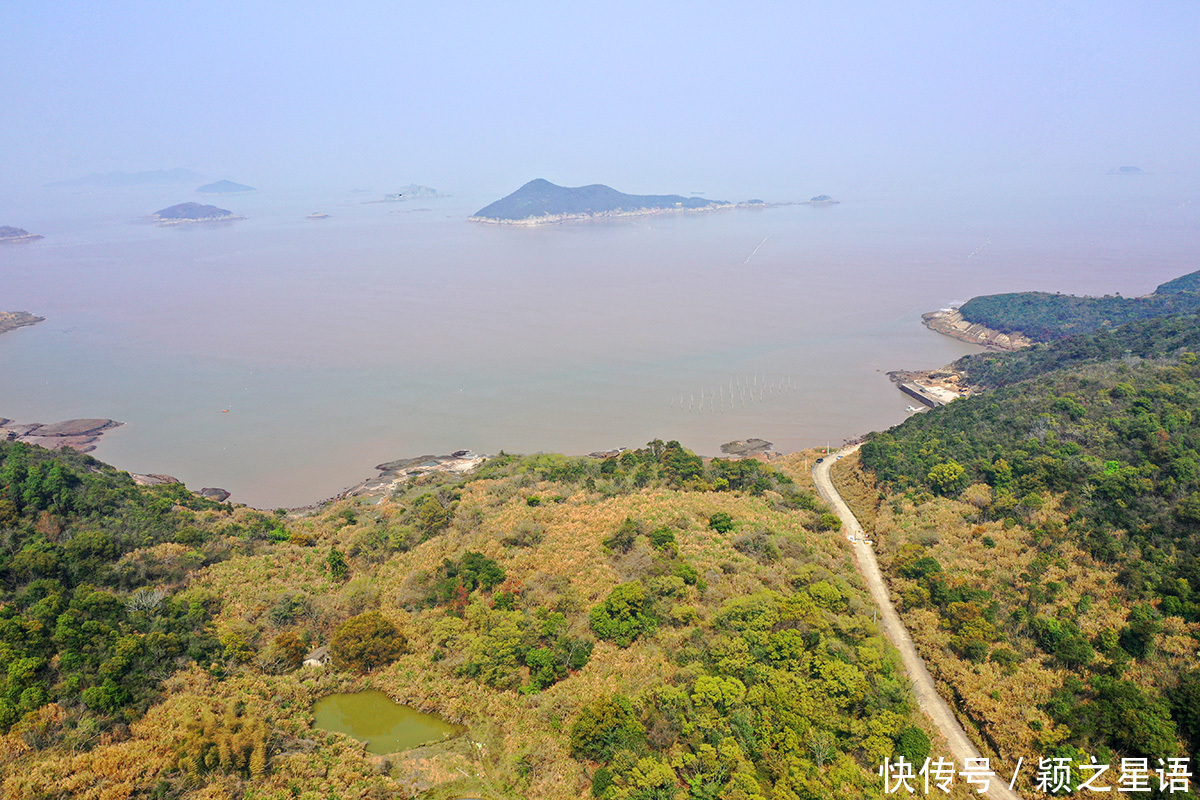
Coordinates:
<point>734,98</point>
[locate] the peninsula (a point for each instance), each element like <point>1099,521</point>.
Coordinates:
<point>11,320</point>
<point>11,234</point>
<point>1011,321</point>
<point>185,213</point>
<point>225,187</point>
<point>541,202</point>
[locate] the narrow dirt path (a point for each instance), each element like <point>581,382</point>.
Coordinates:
<point>928,699</point>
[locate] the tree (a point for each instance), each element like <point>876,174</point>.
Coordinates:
<point>947,478</point>
<point>284,654</point>
<point>366,642</point>
<point>432,516</point>
<point>624,615</point>
<point>605,726</point>
<point>336,562</point>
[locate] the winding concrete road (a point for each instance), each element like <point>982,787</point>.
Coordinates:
<point>928,699</point>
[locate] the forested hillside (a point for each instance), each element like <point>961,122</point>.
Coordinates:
<point>648,626</point>
<point>1160,337</point>
<point>1046,317</point>
<point>1044,539</point>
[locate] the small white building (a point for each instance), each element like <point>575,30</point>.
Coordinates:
<point>317,658</point>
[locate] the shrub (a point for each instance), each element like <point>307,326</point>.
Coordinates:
<point>721,522</point>
<point>913,744</point>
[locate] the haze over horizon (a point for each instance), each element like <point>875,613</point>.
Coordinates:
<point>749,100</point>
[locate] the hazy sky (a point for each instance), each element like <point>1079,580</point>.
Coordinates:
<point>727,97</point>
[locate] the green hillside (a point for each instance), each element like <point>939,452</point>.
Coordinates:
<point>1046,317</point>
<point>1044,539</point>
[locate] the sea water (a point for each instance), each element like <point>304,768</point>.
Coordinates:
<point>281,358</point>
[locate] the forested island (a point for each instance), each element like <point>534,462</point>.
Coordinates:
<point>184,213</point>
<point>225,187</point>
<point>540,202</point>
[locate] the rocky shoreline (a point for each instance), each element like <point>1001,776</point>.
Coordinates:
<point>27,237</point>
<point>73,434</point>
<point>556,219</point>
<point>950,322</point>
<point>11,320</point>
<point>164,223</point>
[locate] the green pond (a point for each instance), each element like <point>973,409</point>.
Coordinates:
<point>386,726</point>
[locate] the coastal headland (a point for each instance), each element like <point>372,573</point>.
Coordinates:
<point>10,234</point>
<point>11,320</point>
<point>73,434</point>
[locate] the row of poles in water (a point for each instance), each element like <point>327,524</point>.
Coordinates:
<point>736,394</point>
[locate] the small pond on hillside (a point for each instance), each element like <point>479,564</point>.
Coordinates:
<point>386,726</point>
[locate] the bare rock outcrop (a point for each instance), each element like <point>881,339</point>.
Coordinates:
<point>950,322</point>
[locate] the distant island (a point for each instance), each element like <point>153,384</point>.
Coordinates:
<point>117,179</point>
<point>11,320</point>
<point>184,213</point>
<point>1126,171</point>
<point>821,200</point>
<point>225,187</point>
<point>413,192</point>
<point>11,234</point>
<point>540,202</point>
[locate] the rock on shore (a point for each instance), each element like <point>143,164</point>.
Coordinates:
<point>76,434</point>
<point>951,323</point>
<point>748,447</point>
<point>393,474</point>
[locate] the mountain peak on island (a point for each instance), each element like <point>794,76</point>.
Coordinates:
<point>539,201</point>
<point>224,186</point>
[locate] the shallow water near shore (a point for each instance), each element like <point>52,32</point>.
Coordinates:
<point>281,358</point>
